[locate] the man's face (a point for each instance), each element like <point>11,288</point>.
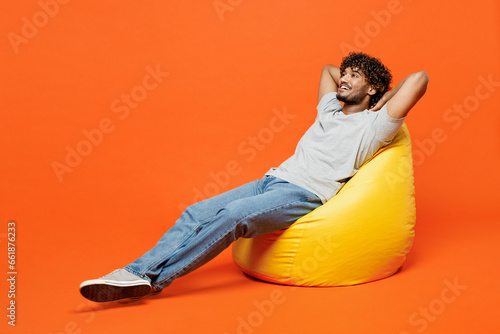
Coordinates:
<point>353,88</point>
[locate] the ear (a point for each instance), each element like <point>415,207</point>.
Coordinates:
<point>371,90</point>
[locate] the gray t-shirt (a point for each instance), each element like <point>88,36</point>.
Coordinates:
<point>335,146</point>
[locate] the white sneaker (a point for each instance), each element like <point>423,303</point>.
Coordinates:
<point>120,284</point>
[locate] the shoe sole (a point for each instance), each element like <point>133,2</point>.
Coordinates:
<point>106,292</point>
<point>133,299</point>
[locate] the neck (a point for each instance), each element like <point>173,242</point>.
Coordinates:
<point>354,108</point>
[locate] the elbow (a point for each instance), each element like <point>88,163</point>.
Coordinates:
<point>328,68</point>
<point>422,77</point>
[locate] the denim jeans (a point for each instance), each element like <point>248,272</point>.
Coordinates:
<point>207,228</point>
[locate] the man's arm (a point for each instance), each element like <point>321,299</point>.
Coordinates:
<point>329,81</point>
<point>405,95</point>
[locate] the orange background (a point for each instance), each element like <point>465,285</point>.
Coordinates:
<point>230,72</point>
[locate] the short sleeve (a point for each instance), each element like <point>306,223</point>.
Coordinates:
<point>385,126</point>
<point>329,102</point>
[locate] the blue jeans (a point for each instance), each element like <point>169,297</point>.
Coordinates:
<point>207,228</point>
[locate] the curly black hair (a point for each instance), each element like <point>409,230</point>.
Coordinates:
<point>375,72</point>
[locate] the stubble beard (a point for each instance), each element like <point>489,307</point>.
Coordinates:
<point>355,97</point>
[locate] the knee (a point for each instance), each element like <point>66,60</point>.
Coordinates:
<point>233,218</point>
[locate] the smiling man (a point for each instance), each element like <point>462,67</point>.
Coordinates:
<point>331,151</point>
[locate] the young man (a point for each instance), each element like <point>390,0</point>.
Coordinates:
<point>341,139</point>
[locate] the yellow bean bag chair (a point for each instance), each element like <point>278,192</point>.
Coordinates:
<point>360,235</point>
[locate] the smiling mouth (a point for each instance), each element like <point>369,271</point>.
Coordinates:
<point>344,87</point>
